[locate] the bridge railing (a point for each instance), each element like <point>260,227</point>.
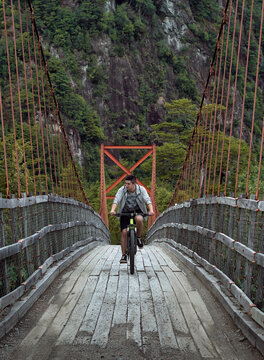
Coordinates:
<point>37,231</point>
<point>225,236</point>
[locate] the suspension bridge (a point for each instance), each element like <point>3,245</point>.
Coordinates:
<point>197,292</point>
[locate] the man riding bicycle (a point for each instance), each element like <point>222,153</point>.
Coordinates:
<point>131,197</point>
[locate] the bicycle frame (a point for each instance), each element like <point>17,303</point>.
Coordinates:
<point>131,237</point>
<point>132,225</point>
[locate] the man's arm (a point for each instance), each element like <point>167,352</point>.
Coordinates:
<point>145,195</point>
<point>116,201</point>
<point>150,209</point>
<point>113,209</point>
<point>147,201</point>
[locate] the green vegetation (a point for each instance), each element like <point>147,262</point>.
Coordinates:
<point>80,76</point>
<point>12,167</point>
<point>73,32</point>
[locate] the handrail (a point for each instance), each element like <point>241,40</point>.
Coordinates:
<point>225,235</point>
<point>34,230</point>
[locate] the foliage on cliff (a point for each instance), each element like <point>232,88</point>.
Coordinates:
<point>72,30</point>
<point>117,76</point>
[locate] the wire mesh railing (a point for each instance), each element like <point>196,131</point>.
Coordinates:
<point>225,236</point>
<point>36,231</point>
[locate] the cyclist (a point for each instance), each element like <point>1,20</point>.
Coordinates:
<point>131,197</point>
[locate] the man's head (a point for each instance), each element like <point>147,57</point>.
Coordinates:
<point>131,178</point>
<point>130,183</point>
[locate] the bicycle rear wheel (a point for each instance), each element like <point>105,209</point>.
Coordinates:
<point>132,251</point>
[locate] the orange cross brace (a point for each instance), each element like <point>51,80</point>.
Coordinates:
<point>128,147</point>
<point>104,150</point>
<point>127,172</point>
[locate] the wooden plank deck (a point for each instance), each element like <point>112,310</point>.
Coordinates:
<point>158,301</point>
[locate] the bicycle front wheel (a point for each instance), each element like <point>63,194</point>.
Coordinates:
<point>132,250</point>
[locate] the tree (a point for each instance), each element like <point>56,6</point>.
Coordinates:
<point>183,111</point>
<point>13,158</point>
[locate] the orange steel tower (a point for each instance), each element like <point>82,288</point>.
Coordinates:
<point>104,191</point>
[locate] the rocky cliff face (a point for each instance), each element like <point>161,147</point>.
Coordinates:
<point>175,26</point>
<point>166,62</point>
<point>128,75</point>
<point>75,145</point>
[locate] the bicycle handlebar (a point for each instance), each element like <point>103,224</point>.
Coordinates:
<point>130,214</point>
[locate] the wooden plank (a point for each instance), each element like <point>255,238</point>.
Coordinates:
<point>228,241</point>
<point>105,253</point>
<point>154,262</point>
<point>221,218</point>
<point>71,328</point>
<point>237,272</point>
<point>37,332</point>
<point>248,277</point>
<point>211,200</point>
<point>201,309</point>
<point>219,255</point>
<point>252,230</point>
<point>120,312</point>
<point>147,309</point>
<point>186,344</point>
<point>184,282</point>
<point>248,204</point>
<point>70,331</point>
<point>241,297</point>
<point>260,275</point>
<point>32,279</point>
<point>44,267</point>
<point>209,325</point>
<point>61,319</point>
<point>101,333</point>
<point>158,255</point>
<point>197,331</point>
<point>167,258</point>
<point>11,297</point>
<point>212,251</point>
<point>81,263</point>
<point>241,231</point>
<point>10,250</point>
<point>258,316</point>
<point>69,278</point>
<point>145,257</point>
<point>139,261</point>
<point>177,318</point>
<point>133,313</point>
<point>245,251</point>
<point>261,205</point>
<point>109,261</point>
<point>227,201</point>
<point>94,308</point>
<point>165,329</point>
<point>3,263</point>
<point>116,262</point>
<point>66,287</point>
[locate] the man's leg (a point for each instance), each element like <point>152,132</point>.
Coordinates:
<point>139,223</point>
<point>123,241</point>
<point>124,221</point>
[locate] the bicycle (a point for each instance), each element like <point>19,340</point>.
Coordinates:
<point>131,238</point>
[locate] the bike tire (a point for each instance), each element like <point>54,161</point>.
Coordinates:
<point>132,251</point>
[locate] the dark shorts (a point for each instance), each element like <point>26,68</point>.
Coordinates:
<point>124,220</point>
